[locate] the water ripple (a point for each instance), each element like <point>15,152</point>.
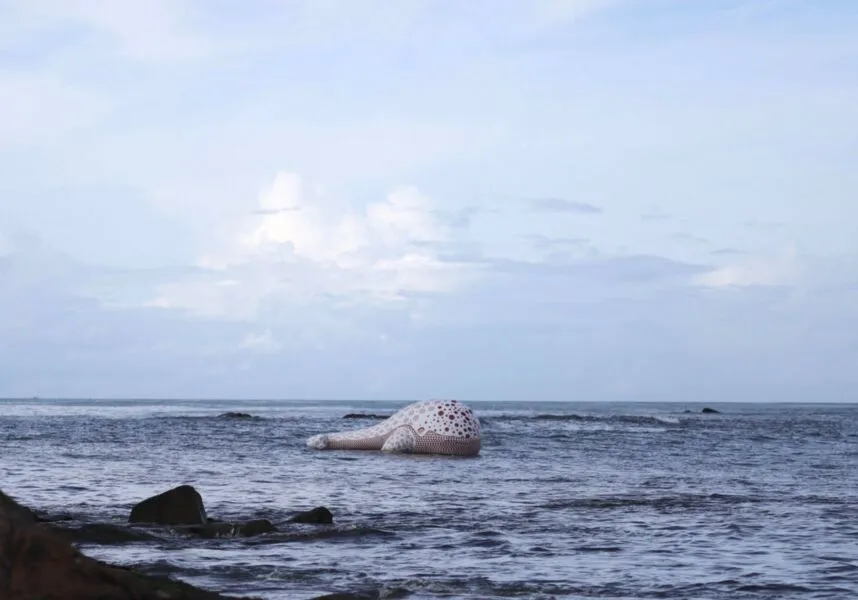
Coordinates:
<point>566,500</point>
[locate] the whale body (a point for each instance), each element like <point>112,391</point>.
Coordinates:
<point>428,427</point>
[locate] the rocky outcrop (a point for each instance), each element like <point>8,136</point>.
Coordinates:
<point>103,533</point>
<point>318,515</point>
<point>181,505</point>
<point>10,509</point>
<point>710,411</point>
<point>37,563</point>
<point>38,560</point>
<point>365,416</point>
<point>217,529</point>
<point>237,415</point>
<point>349,596</point>
<point>182,508</point>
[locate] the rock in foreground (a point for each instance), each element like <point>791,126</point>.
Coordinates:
<point>9,509</point>
<point>36,563</point>
<point>181,505</point>
<point>103,533</point>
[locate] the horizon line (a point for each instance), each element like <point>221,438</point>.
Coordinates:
<point>38,398</point>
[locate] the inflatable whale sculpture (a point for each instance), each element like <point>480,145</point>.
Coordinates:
<point>428,427</point>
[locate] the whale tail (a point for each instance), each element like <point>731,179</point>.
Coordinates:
<point>318,442</point>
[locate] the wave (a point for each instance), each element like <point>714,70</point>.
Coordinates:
<point>682,501</point>
<point>657,420</point>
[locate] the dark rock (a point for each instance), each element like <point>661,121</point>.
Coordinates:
<point>55,518</point>
<point>182,505</point>
<point>710,411</point>
<point>221,529</point>
<point>365,416</point>
<point>10,509</point>
<point>389,593</point>
<point>349,596</point>
<point>237,415</point>
<point>103,533</point>
<point>318,515</point>
<point>37,562</point>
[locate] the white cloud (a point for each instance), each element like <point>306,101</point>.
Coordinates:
<point>213,296</point>
<point>550,12</point>
<point>782,269</point>
<point>40,108</point>
<point>297,243</point>
<point>145,30</point>
<point>310,226</point>
<point>263,343</point>
<point>6,247</point>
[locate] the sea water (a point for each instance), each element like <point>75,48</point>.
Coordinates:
<point>566,500</point>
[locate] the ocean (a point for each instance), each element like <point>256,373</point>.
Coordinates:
<point>566,500</point>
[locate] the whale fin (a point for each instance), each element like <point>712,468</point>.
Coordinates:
<point>401,440</point>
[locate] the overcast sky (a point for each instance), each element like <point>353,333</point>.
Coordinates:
<point>488,200</point>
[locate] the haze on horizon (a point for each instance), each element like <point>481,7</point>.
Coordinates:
<point>491,200</point>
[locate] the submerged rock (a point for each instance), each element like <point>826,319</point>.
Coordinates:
<point>37,562</point>
<point>364,416</point>
<point>349,596</point>
<point>221,529</point>
<point>390,594</point>
<point>318,515</point>
<point>181,505</point>
<point>710,411</point>
<point>237,415</point>
<point>55,518</point>
<point>103,533</point>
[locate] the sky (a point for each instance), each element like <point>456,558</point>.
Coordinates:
<point>486,200</point>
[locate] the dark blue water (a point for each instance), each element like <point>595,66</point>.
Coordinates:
<point>566,501</point>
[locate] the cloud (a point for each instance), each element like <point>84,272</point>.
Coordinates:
<point>544,242</point>
<point>557,12</point>
<point>630,269</point>
<point>263,343</point>
<point>27,263</point>
<point>412,270</point>
<point>463,217</point>
<point>558,205</point>
<point>764,225</point>
<point>305,224</point>
<point>6,247</point>
<point>143,30</point>
<point>635,313</point>
<point>783,269</point>
<point>59,338</point>
<point>40,108</point>
<point>727,252</point>
<point>688,238</point>
<point>300,242</point>
<point>655,216</point>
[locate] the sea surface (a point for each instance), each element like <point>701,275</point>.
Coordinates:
<point>567,500</point>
